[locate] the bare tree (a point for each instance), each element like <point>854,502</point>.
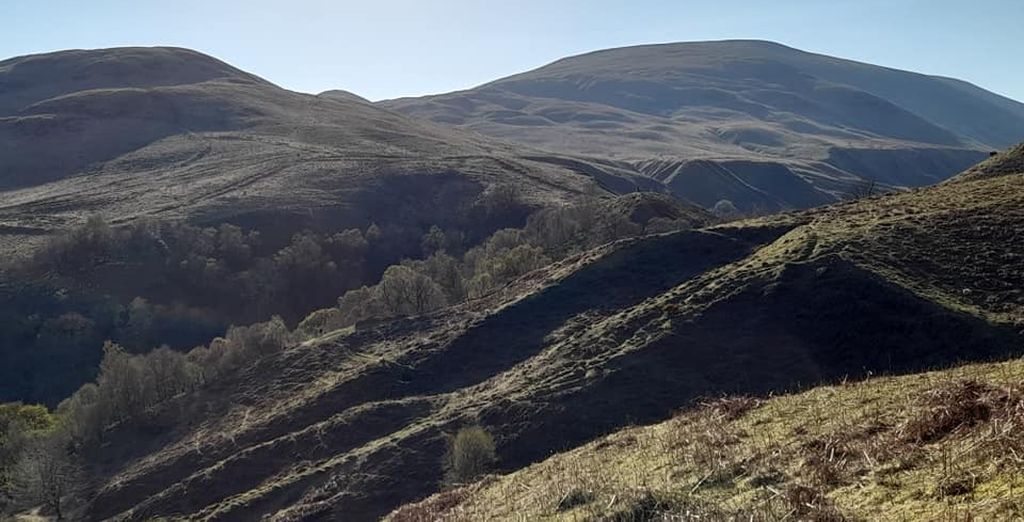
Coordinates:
<point>48,475</point>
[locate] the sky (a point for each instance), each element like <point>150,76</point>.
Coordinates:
<point>383,49</point>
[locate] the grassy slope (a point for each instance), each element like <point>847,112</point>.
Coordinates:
<point>875,450</point>
<point>353,426</point>
<point>937,445</point>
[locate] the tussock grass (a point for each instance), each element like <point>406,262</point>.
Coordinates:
<point>944,445</point>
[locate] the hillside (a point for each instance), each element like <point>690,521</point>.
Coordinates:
<point>353,424</point>
<point>932,446</point>
<point>181,135</point>
<point>763,125</point>
<point>209,197</point>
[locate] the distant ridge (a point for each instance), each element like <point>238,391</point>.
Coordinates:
<point>338,94</point>
<point>176,134</point>
<point>758,123</point>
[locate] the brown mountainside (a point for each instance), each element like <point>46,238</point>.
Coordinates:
<point>763,125</point>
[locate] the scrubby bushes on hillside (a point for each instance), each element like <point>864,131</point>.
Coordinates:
<point>241,276</point>
<point>419,286</point>
<point>84,287</point>
<point>152,283</point>
<point>564,229</point>
<point>155,283</point>
<point>129,385</point>
<point>40,453</point>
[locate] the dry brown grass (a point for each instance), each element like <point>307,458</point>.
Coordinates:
<point>438,507</point>
<point>944,410</point>
<point>935,446</point>
<point>811,504</point>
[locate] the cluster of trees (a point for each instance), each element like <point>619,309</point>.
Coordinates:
<point>415,287</point>
<point>446,274</point>
<point>44,455</point>
<point>130,383</point>
<point>129,386</point>
<point>225,270</point>
<point>83,287</point>
<point>244,276</point>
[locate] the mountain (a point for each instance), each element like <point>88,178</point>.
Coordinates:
<point>175,134</point>
<point>763,125</point>
<point>127,174</point>
<point>354,423</point>
<point>351,423</point>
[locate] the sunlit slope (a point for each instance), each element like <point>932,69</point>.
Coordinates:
<point>933,446</point>
<point>763,125</point>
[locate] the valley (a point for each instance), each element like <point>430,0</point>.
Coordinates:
<point>691,280</point>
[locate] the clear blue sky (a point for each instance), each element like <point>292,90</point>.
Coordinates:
<point>390,48</point>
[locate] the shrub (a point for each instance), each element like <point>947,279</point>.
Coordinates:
<point>444,270</point>
<point>82,247</point>
<point>725,209</point>
<point>82,415</point>
<point>470,455</point>
<point>120,385</point>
